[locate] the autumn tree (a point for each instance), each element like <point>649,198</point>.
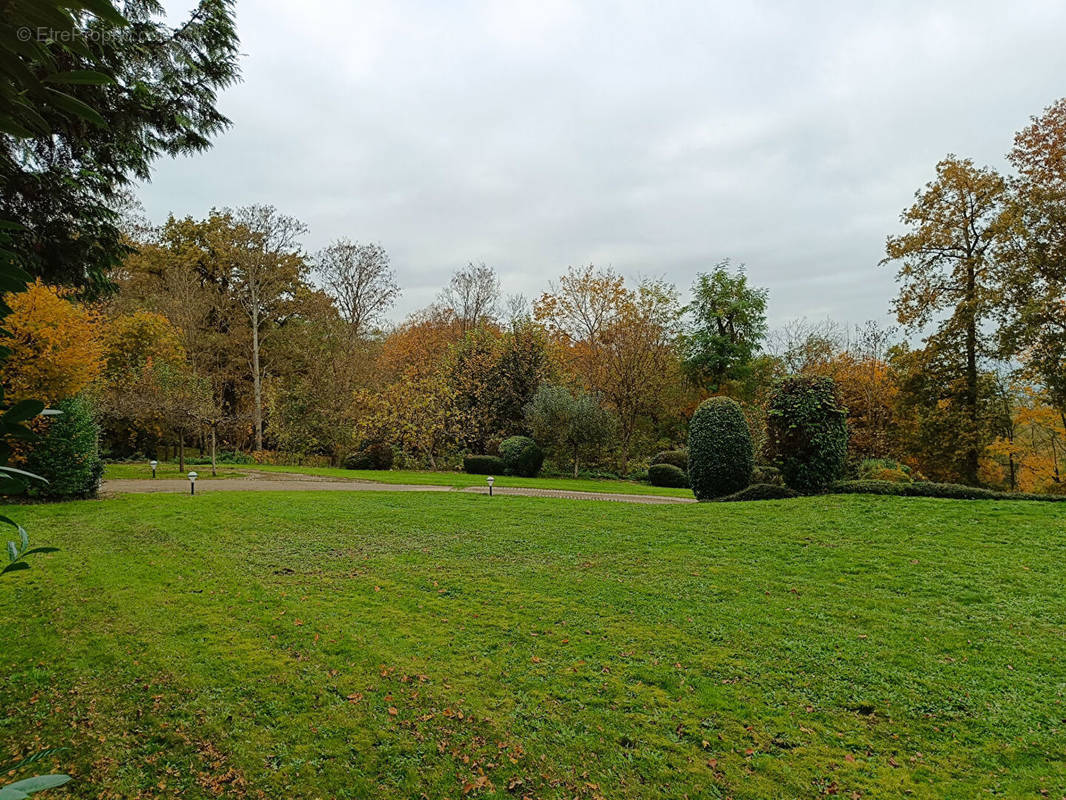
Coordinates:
<point>616,342</point>
<point>417,347</point>
<point>636,361</point>
<point>726,323</point>
<point>524,364</point>
<point>1034,311</point>
<point>360,281</point>
<point>54,342</point>
<point>415,414</point>
<point>949,276</point>
<point>262,249</point>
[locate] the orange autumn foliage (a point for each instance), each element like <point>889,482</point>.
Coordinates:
<point>56,345</point>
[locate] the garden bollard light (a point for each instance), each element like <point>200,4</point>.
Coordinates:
<point>490,479</point>
<point>192,483</point>
<point>153,464</point>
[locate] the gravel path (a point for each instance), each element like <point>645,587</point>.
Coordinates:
<point>308,484</point>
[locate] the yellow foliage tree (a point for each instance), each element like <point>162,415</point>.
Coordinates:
<point>55,343</point>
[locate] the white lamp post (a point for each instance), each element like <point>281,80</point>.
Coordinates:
<point>490,480</point>
<point>192,483</point>
<point>153,464</point>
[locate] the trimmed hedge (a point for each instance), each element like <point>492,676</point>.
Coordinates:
<point>678,458</point>
<point>760,491</point>
<point>667,475</point>
<point>807,432</point>
<point>948,491</point>
<point>377,456</point>
<point>483,465</point>
<point>67,453</point>
<point>720,457</point>
<point>521,456</point>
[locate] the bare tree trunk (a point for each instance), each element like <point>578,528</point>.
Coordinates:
<point>970,465</point>
<point>257,382</point>
<point>181,451</point>
<point>213,446</point>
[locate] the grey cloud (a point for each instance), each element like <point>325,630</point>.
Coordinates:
<point>656,137</point>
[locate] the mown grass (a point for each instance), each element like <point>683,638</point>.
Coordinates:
<point>397,476</point>
<point>407,645</point>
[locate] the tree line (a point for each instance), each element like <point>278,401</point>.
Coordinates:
<point>224,334</point>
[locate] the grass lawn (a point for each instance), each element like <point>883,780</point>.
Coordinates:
<point>408,476</point>
<point>359,645</point>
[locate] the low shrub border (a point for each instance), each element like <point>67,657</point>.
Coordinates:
<point>943,491</point>
<point>760,491</point>
<point>483,465</point>
<point>947,491</point>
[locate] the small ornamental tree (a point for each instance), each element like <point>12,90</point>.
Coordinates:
<point>720,457</point>
<point>807,432</point>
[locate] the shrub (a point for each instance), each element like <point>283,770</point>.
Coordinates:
<point>760,491</point>
<point>483,465</point>
<point>377,456</point>
<point>679,458</point>
<point>68,453</point>
<point>765,474</point>
<point>947,491</point>
<point>719,449</point>
<point>667,475</point>
<point>521,456</point>
<point>885,469</point>
<point>807,432</point>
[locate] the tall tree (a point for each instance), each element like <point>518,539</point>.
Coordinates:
<point>949,274</point>
<point>360,281</point>
<point>263,246</point>
<point>726,323</point>
<point>1035,311</point>
<point>87,107</point>
<point>473,295</point>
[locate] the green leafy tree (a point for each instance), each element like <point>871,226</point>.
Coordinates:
<point>726,324</point>
<point>570,424</point>
<point>84,112</point>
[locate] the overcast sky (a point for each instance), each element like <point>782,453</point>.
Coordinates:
<point>654,137</point>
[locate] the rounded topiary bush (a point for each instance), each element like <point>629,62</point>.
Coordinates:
<point>483,465</point>
<point>67,453</point>
<point>667,475</point>
<point>679,458</point>
<point>720,457</point>
<point>807,432</point>
<point>521,456</point>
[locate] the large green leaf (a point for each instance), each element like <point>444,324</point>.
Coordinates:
<point>23,410</point>
<point>39,783</point>
<point>101,8</point>
<point>80,77</point>
<point>64,102</point>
